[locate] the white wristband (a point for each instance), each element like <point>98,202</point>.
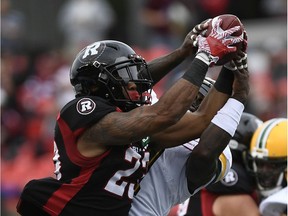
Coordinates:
<point>203,57</point>
<point>228,117</point>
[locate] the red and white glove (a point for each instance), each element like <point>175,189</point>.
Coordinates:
<point>241,61</point>
<point>218,43</point>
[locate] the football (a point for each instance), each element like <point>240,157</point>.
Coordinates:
<point>228,21</point>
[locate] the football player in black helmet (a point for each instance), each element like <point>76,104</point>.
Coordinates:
<point>104,69</point>
<point>104,136</point>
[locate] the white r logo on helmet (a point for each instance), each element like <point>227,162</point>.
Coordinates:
<point>91,50</point>
<point>85,106</point>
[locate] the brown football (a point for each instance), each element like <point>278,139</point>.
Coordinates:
<point>228,21</point>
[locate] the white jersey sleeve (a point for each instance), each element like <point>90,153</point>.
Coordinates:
<point>276,204</point>
<point>165,185</point>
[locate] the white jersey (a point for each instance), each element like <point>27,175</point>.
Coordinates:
<point>276,204</point>
<point>165,185</point>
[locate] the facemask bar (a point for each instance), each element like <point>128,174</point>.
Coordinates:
<point>117,76</point>
<point>267,182</point>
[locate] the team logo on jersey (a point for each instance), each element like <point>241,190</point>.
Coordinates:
<point>230,179</point>
<point>145,142</point>
<point>85,106</point>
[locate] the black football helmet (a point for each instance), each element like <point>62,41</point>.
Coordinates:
<point>244,132</point>
<point>105,68</point>
<point>240,142</point>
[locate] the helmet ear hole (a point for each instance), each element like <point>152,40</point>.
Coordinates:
<point>103,77</point>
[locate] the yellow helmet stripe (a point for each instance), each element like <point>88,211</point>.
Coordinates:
<point>223,172</point>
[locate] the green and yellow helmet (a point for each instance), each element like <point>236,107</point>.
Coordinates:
<point>270,140</point>
<point>267,157</point>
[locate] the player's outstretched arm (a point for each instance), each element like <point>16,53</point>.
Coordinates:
<point>202,164</point>
<point>118,128</point>
<point>192,125</point>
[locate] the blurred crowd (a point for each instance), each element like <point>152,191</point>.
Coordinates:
<point>35,82</point>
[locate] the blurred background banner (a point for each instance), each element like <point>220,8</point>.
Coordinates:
<point>39,39</point>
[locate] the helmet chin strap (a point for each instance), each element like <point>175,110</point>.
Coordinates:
<point>127,106</point>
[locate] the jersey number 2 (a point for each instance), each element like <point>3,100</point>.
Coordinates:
<point>117,186</point>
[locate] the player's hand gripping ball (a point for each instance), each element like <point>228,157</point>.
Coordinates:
<point>228,21</point>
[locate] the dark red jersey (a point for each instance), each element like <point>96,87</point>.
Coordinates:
<point>102,185</point>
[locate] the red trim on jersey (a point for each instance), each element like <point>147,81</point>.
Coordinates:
<point>207,200</point>
<point>70,138</point>
<point>66,192</point>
